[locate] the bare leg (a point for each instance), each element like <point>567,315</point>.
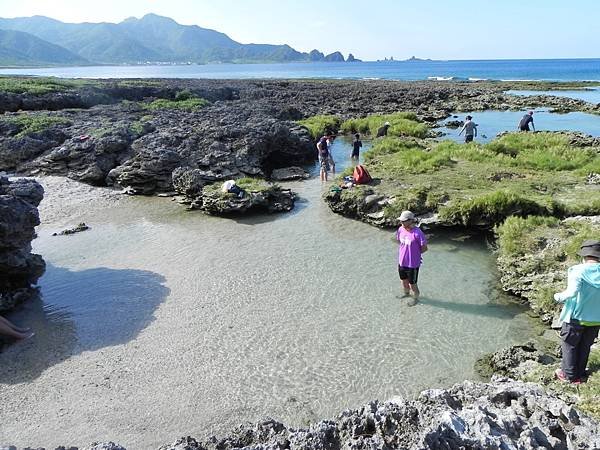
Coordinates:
<point>8,331</point>
<point>415,290</point>
<point>13,326</point>
<point>333,169</point>
<point>406,287</point>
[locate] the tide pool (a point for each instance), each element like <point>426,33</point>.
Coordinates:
<point>591,95</point>
<point>490,123</point>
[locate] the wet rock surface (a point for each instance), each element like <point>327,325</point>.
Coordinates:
<point>19,268</point>
<point>272,201</point>
<point>77,229</point>
<point>289,173</point>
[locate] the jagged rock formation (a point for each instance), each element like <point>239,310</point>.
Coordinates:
<point>503,414</point>
<point>19,268</point>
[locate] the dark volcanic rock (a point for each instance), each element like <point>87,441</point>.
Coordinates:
<point>19,268</point>
<point>147,172</point>
<point>84,158</point>
<point>514,361</point>
<point>271,200</point>
<point>18,150</point>
<point>503,414</point>
<point>289,173</point>
<point>78,229</point>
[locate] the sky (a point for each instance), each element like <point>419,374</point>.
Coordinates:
<point>436,29</point>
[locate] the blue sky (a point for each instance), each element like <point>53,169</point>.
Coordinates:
<point>484,29</point>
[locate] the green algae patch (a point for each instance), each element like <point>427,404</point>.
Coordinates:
<point>474,185</point>
<point>401,124</point>
<point>184,104</point>
<point>254,185</point>
<point>321,124</point>
<point>27,124</point>
<point>39,85</point>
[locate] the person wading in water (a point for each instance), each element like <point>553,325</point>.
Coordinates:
<point>412,244</point>
<point>525,121</point>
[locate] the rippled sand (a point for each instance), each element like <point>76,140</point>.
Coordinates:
<point>159,323</point>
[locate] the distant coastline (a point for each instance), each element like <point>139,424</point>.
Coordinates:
<point>585,71</point>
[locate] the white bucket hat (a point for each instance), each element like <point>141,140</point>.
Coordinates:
<point>406,216</point>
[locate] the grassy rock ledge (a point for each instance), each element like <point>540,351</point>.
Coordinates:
<point>451,184</point>
<point>260,195</point>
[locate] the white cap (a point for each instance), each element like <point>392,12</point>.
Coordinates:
<point>387,123</point>
<point>406,215</point>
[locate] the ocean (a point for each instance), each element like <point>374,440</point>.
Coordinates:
<point>533,69</point>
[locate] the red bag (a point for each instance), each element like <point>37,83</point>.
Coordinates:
<point>361,175</point>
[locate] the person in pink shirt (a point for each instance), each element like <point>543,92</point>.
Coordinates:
<point>412,244</point>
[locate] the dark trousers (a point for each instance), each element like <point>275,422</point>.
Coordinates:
<point>576,342</point>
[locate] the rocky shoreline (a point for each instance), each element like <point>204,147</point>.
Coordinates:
<point>501,414</point>
<point>249,129</point>
<point>135,134</point>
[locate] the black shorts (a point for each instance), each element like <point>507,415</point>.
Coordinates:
<point>410,274</point>
<point>469,138</point>
<point>355,155</point>
<point>525,128</point>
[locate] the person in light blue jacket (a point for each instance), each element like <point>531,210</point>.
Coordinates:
<point>580,315</point>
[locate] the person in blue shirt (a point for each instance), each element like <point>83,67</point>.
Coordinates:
<point>580,315</point>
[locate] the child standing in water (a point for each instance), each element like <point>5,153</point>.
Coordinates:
<point>412,244</point>
<point>356,145</point>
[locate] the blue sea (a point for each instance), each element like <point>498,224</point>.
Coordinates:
<point>534,69</point>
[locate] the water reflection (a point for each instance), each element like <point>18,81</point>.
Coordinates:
<point>81,311</point>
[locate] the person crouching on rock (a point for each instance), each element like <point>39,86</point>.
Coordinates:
<point>383,130</point>
<point>412,244</point>
<point>231,187</point>
<point>580,315</point>
<point>323,150</point>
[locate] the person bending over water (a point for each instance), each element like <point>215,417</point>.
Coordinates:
<point>525,121</point>
<point>9,329</point>
<point>412,244</point>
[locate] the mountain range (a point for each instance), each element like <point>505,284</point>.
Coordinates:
<point>40,40</point>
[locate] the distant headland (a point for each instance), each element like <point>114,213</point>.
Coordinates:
<point>153,39</point>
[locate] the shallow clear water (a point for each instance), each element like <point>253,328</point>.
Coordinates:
<point>158,322</point>
<point>515,69</point>
<point>591,95</point>
<point>490,123</point>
